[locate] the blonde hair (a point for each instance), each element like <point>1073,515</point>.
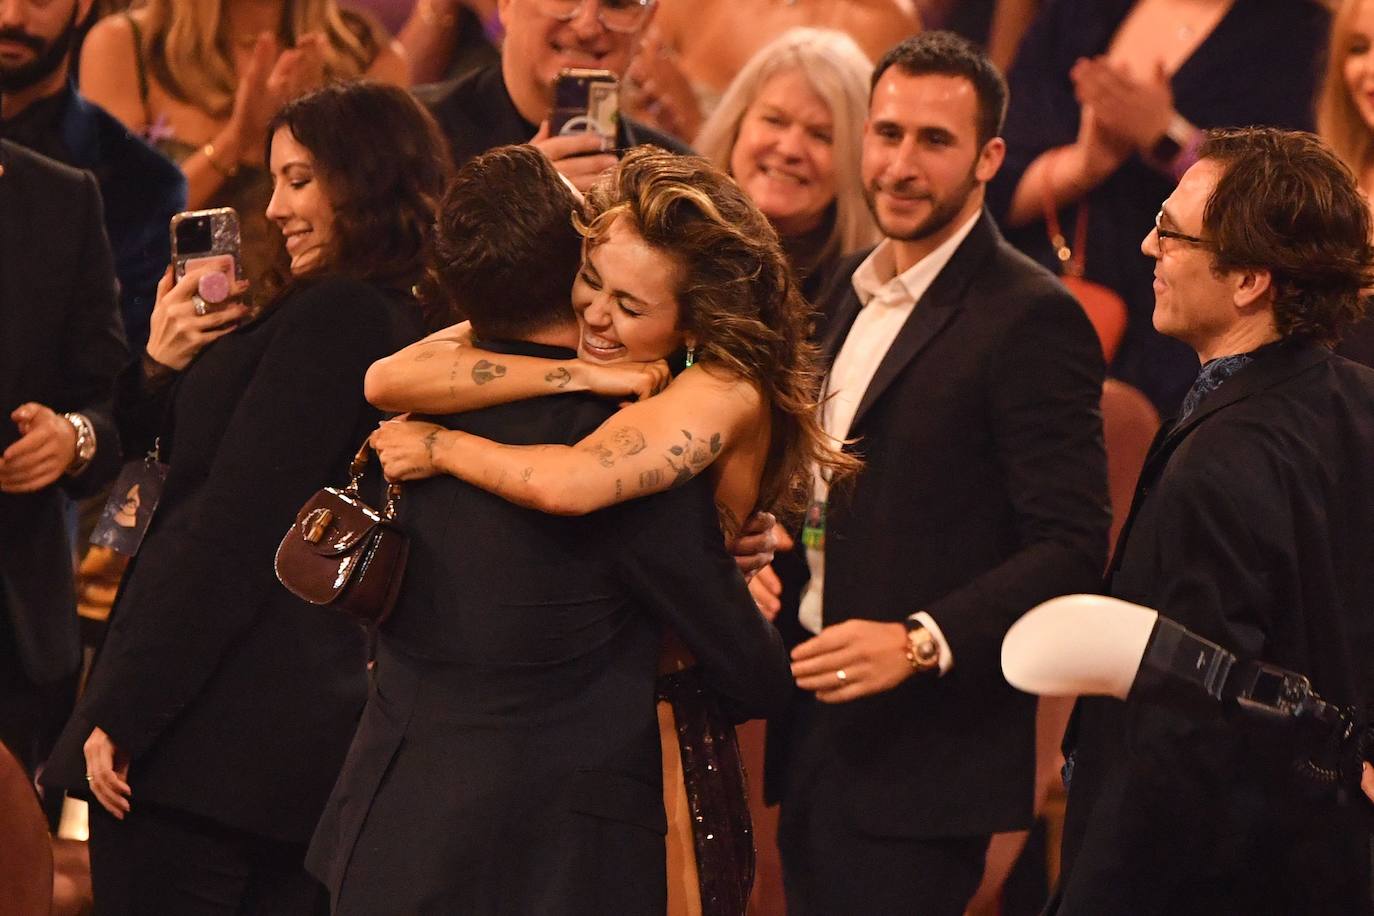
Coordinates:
<point>839,73</point>
<point>1339,122</point>
<point>192,58</point>
<point>737,296</point>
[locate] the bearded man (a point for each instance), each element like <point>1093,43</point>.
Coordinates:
<point>968,380</point>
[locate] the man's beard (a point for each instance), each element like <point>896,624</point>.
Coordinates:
<point>942,211</point>
<point>50,56</point>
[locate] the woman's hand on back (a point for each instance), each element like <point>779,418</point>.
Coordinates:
<point>630,381</point>
<point>177,333</point>
<point>406,448</point>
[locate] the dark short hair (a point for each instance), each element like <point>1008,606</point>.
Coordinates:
<point>948,54</point>
<point>1287,204</point>
<point>382,163</point>
<point>507,250</point>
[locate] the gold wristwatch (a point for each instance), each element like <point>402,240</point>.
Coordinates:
<point>922,651</point>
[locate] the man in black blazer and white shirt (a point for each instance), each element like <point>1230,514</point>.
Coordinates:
<point>61,345</point>
<point>968,380</point>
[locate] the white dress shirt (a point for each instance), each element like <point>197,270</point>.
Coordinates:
<point>887,299</point>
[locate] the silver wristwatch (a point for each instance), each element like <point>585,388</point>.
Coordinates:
<point>85,442</point>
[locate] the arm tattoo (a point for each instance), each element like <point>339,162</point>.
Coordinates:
<point>650,479</point>
<point>628,441</point>
<point>526,474</point>
<point>429,445</point>
<point>729,522</point>
<point>692,456</point>
<point>559,378</point>
<point>619,489</point>
<point>602,454</point>
<point>427,355</point>
<point>485,371</point>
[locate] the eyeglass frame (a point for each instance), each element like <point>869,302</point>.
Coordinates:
<point>644,7</point>
<point>1163,233</point>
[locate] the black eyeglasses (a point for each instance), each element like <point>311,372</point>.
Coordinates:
<point>1179,236</point>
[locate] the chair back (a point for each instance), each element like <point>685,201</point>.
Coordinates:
<point>25,848</point>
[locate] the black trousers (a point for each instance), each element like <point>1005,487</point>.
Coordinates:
<point>832,868</point>
<point>158,861</point>
<point>31,715</point>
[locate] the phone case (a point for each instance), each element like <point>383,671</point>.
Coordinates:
<point>586,101</point>
<point>224,243</point>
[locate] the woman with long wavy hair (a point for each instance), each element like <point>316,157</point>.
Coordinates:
<point>218,713</point>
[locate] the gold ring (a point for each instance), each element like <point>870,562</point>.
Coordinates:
<point>841,676</point>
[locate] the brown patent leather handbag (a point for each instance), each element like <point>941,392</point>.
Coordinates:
<point>342,552</point>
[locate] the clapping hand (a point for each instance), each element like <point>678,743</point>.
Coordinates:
<point>1136,111</point>
<point>45,449</point>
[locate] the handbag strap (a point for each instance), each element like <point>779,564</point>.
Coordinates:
<point>1073,259</point>
<point>358,467</point>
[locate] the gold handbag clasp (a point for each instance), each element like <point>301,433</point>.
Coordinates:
<point>316,524</point>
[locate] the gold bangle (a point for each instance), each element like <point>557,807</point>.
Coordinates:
<point>431,17</point>
<point>208,151</point>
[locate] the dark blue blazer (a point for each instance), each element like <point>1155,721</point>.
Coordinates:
<point>142,190</point>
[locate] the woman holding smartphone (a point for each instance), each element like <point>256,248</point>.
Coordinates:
<point>220,707</point>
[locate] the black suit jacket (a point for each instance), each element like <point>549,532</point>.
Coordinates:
<point>1253,526</point>
<point>60,345</point>
<point>508,761</point>
<point>234,699</point>
<point>476,114</point>
<point>983,493</point>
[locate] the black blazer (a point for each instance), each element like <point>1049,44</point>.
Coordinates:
<point>983,493</point>
<point>234,699</point>
<point>1252,525</point>
<point>476,114</point>
<point>61,345</point>
<point>509,759</point>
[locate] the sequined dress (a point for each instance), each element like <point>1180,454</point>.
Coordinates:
<point>721,860</point>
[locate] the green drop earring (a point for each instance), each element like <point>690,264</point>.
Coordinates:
<point>691,355</point>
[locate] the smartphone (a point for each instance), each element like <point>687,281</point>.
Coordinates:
<point>207,238</point>
<point>586,101</point>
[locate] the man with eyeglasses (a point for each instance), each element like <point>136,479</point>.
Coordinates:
<point>1253,526</point>
<point>510,103</point>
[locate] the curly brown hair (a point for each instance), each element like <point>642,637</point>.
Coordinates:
<point>737,296</point>
<point>383,164</point>
<point>1287,204</point>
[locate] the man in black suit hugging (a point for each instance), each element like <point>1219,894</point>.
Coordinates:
<point>968,380</point>
<point>508,761</point>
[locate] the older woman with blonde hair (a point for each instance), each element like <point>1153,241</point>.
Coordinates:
<point>789,130</point>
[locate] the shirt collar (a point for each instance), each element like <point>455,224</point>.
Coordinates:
<point>879,269</point>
